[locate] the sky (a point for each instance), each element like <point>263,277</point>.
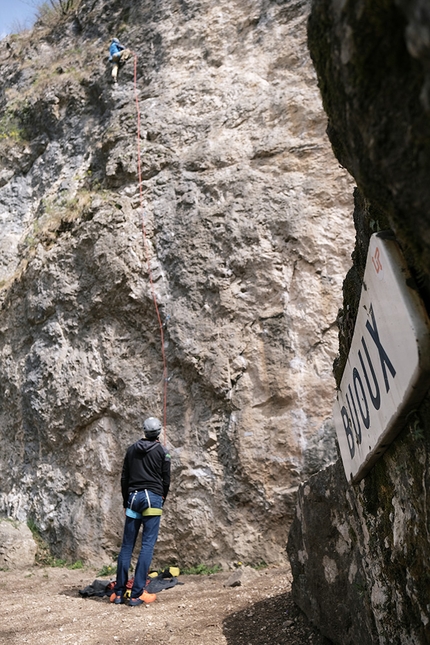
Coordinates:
<point>16,12</point>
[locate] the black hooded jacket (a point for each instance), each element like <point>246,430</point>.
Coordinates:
<point>146,466</point>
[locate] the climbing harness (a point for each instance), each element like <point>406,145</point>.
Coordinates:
<point>149,511</point>
<point>145,240</point>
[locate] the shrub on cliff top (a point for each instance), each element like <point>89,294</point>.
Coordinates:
<point>51,12</point>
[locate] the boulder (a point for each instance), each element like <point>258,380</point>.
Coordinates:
<point>17,545</point>
<point>242,577</point>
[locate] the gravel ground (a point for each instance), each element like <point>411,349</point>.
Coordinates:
<point>42,606</point>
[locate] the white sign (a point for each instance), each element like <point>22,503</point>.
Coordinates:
<point>388,366</point>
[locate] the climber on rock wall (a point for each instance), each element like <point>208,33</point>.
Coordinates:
<point>145,482</point>
<point>118,54</point>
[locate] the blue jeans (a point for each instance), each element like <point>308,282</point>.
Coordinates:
<point>151,524</point>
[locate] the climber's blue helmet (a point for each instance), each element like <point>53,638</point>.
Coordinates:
<point>115,40</point>
<point>152,428</point>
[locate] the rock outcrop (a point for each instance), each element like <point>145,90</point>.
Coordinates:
<point>247,222</point>
<point>17,546</point>
<point>360,554</point>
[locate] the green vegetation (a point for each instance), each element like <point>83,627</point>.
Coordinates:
<point>415,425</point>
<point>259,565</point>
<point>107,570</point>
<point>12,521</point>
<point>57,215</point>
<point>57,563</point>
<point>10,127</point>
<point>43,555</point>
<point>206,570</point>
<point>361,589</point>
<point>17,120</point>
<point>202,569</point>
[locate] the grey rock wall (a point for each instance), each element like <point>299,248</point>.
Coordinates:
<point>246,217</point>
<point>17,546</point>
<point>360,554</point>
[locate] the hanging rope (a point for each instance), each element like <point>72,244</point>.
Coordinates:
<point>145,241</point>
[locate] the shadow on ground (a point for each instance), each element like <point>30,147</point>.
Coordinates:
<point>275,621</point>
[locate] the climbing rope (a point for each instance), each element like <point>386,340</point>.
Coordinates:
<point>145,241</point>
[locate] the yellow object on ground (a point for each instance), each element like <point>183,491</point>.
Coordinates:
<point>174,571</point>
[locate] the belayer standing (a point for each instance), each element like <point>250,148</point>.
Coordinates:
<point>118,54</point>
<point>145,482</point>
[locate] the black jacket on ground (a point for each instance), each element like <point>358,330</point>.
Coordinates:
<point>146,466</point>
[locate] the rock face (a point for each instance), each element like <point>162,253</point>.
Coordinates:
<point>17,546</point>
<point>360,554</point>
<point>245,212</point>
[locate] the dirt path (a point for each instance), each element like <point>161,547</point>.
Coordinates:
<point>42,606</point>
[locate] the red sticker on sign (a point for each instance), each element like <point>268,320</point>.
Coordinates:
<point>376,259</point>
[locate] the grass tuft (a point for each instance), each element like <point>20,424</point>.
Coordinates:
<point>202,569</point>
<point>44,557</point>
<point>107,570</point>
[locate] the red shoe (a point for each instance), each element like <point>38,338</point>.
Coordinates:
<point>145,597</point>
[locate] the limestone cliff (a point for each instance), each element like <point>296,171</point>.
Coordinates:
<point>360,554</point>
<point>247,219</point>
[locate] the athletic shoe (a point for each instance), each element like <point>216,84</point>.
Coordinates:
<point>145,597</point>
<point>117,600</point>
